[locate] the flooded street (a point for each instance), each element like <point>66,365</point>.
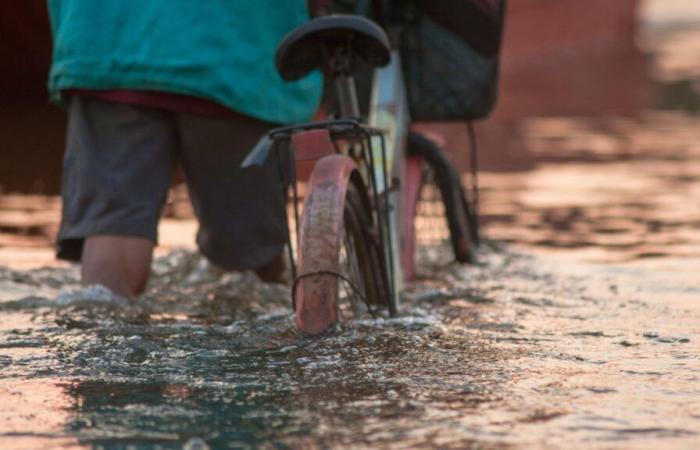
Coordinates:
<point>578,326</point>
<point>517,351</point>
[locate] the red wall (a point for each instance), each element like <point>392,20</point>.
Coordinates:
<point>572,57</point>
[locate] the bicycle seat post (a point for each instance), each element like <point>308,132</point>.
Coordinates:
<point>344,85</point>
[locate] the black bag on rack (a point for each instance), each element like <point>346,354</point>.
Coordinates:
<point>450,54</point>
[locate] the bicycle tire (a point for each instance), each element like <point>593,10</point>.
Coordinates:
<point>460,219</point>
<point>357,224</point>
<point>326,289</point>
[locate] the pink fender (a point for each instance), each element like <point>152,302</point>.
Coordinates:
<point>319,244</point>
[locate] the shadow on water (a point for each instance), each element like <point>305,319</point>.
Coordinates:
<point>116,414</point>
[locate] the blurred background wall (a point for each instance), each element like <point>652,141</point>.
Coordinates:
<point>560,57</point>
<point>569,57</point>
<point>31,131</point>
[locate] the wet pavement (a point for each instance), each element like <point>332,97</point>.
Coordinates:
<point>577,327</point>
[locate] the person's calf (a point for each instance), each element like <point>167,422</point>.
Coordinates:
<point>120,263</point>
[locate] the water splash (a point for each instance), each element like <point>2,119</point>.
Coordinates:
<point>492,354</point>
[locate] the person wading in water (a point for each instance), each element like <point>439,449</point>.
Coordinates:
<point>149,85</point>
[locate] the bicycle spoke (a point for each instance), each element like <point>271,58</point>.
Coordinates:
<point>350,304</point>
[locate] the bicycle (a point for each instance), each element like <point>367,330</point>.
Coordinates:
<point>355,239</point>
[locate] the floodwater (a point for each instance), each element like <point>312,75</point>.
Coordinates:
<point>513,351</point>
<point>578,327</point>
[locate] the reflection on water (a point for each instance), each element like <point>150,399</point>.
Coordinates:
<point>610,189</point>
<point>515,350</point>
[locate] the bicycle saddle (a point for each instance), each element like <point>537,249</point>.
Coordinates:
<point>317,44</point>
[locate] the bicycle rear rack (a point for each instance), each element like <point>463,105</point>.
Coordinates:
<point>359,136</point>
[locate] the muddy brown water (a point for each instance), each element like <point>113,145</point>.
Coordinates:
<point>577,327</point>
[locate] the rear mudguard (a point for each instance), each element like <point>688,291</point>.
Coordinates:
<point>320,231</point>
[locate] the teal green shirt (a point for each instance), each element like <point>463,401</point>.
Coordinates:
<point>221,50</point>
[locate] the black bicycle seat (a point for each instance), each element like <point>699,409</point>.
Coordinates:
<point>311,45</point>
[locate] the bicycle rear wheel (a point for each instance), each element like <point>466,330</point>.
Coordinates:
<point>428,168</point>
<point>342,275</point>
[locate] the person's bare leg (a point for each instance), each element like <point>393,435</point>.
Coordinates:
<point>120,263</point>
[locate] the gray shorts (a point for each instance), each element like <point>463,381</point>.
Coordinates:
<point>118,165</point>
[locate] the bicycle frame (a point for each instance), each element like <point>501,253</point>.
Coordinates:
<point>389,113</point>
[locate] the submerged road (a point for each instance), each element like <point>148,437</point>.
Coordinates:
<point>517,351</point>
